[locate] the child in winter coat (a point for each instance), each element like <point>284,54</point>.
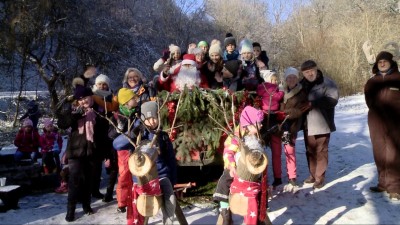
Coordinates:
<point>27,142</point>
<point>128,102</point>
<point>51,146</point>
<point>230,52</point>
<point>250,122</point>
<point>166,164</point>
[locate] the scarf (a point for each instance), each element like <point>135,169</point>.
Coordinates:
<point>101,93</point>
<point>250,190</point>
<point>125,111</point>
<point>87,123</point>
<point>291,92</point>
<point>152,188</point>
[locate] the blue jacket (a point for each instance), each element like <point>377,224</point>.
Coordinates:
<point>166,161</point>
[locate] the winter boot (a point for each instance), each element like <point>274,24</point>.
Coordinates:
<point>70,212</point>
<point>108,197</point>
<point>87,209</point>
<point>63,188</point>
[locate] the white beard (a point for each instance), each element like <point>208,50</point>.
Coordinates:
<point>188,77</point>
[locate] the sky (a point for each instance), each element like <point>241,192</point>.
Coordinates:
<point>345,199</point>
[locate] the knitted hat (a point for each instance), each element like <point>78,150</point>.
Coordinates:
<point>246,46</point>
<point>291,71</point>
<point>27,122</point>
<point>384,55</point>
<point>267,74</point>
<point>189,59</point>
<point>149,110</point>
<point>196,51</point>
<point>124,95</point>
<point>202,43</point>
<point>251,116</point>
<point>173,48</point>
<point>229,40</point>
<point>309,64</point>
<point>81,92</point>
<point>102,79</point>
<point>232,66</point>
<point>215,48</point>
<point>47,122</point>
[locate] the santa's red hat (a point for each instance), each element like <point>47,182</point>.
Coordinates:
<point>189,59</point>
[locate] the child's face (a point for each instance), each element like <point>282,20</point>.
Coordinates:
<point>247,56</point>
<point>86,102</point>
<point>274,80</point>
<point>131,103</point>
<point>49,128</point>
<point>215,57</point>
<point>230,48</point>
<point>151,122</point>
<point>257,51</point>
<point>28,128</point>
<point>252,129</point>
<point>102,86</point>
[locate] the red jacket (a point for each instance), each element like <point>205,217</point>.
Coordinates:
<point>47,142</point>
<point>27,142</point>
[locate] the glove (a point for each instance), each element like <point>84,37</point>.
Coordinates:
<point>165,54</point>
<point>280,116</point>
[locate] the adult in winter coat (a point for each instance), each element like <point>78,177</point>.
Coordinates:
<point>382,95</point>
<point>134,80</point>
<point>294,99</point>
<point>323,96</point>
<point>81,151</point>
<point>33,113</point>
<point>213,70</point>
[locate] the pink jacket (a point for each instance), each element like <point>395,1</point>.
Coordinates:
<point>48,141</point>
<point>271,96</point>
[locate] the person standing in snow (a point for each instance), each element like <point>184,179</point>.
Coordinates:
<point>33,113</point>
<point>323,95</point>
<point>382,95</point>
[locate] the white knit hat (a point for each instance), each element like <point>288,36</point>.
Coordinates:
<point>246,46</point>
<point>215,48</point>
<point>291,71</point>
<point>102,79</point>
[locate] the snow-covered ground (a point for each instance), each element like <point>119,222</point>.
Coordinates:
<point>345,199</point>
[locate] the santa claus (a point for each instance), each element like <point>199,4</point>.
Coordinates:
<point>184,75</point>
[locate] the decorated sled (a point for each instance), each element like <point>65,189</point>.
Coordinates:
<point>195,136</point>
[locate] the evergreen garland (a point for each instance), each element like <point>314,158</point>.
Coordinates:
<point>195,135</point>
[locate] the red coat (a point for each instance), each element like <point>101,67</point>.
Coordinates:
<point>47,142</point>
<point>27,142</point>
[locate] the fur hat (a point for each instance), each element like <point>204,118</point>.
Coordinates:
<point>229,40</point>
<point>215,48</point>
<point>78,81</point>
<point>102,79</point>
<point>202,43</point>
<point>27,122</point>
<point>233,66</point>
<point>81,92</point>
<point>309,64</point>
<point>291,71</point>
<point>149,110</point>
<point>124,95</point>
<point>251,116</point>
<point>246,46</point>
<point>384,55</point>
<point>90,71</point>
<point>189,59</point>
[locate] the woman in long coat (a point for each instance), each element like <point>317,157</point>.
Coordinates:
<point>382,95</point>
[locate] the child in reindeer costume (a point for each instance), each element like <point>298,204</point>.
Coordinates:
<point>153,186</point>
<point>244,161</point>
